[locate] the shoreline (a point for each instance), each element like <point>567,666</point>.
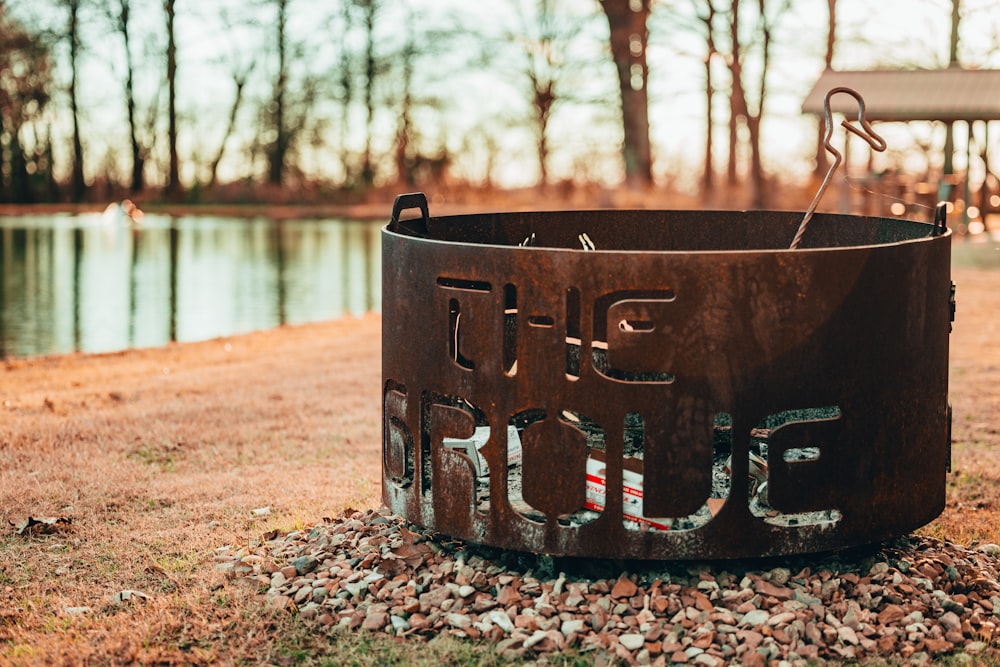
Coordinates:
<point>273,211</point>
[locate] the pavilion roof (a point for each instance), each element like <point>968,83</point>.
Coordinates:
<point>904,95</point>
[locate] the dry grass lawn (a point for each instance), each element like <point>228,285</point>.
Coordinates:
<point>161,456</point>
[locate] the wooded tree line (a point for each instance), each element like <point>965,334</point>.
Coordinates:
<point>345,95</point>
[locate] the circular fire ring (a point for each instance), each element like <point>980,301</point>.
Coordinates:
<point>664,384</point>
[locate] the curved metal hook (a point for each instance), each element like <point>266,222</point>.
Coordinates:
<point>866,132</point>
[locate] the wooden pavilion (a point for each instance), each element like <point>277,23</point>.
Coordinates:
<point>947,95</point>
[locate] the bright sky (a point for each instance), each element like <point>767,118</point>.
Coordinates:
<point>481,106</point>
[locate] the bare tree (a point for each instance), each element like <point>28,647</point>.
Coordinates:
<point>279,147</point>
<point>410,89</point>
<point>345,82</point>
<point>543,34</point>
<point>79,186</point>
<point>628,39</point>
<point>404,157</point>
<point>740,111</point>
<point>140,148</point>
<point>124,14</point>
<point>240,67</point>
<point>949,137</point>
<point>737,99</point>
<point>707,19</point>
<point>299,85</point>
<point>822,162</point>
<point>369,13</point>
<point>173,174</point>
<point>25,82</point>
<point>240,78</point>
<point>766,29</point>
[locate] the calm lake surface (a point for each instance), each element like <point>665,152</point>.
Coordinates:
<point>93,284</point>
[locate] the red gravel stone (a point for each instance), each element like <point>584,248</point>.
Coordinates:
<point>445,587</point>
<point>624,588</point>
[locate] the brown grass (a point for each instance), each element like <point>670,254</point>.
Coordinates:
<point>973,509</point>
<point>159,457</point>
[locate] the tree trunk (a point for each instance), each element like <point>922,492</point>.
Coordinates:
<point>737,99</point>
<point>173,175</point>
<point>20,185</point>
<point>276,154</point>
<point>346,95</point>
<point>544,39</point>
<point>543,108</point>
<point>240,80</point>
<point>4,162</point>
<point>758,189</point>
<point>367,164</point>
<point>404,172</point>
<point>708,176</point>
<point>822,161</point>
<point>949,137</point>
<point>79,187</point>
<point>956,16</point>
<point>138,181</point>
<point>51,186</point>
<point>628,38</point>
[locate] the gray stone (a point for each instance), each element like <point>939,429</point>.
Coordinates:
<point>847,635</point>
<point>537,637</point>
<point>305,564</point>
<point>573,625</point>
<point>950,621</point>
<point>754,618</point>
<point>780,575</point>
<point>501,620</point>
<point>460,621</point>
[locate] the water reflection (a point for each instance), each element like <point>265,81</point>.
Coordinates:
<point>71,283</point>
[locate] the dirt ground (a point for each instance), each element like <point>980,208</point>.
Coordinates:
<point>160,457</point>
<point>973,509</point>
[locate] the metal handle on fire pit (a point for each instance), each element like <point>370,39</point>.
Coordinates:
<point>866,132</point>
<point>415,226</point>
<point>940,219</point>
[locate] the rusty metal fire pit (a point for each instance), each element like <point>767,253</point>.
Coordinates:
<point>664,384</point>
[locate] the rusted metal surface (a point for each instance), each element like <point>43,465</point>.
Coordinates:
<point>685,339</point>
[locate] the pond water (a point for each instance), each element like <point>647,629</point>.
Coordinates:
<point>86,283</point>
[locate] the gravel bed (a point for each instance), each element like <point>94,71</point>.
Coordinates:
<point>916,597</point>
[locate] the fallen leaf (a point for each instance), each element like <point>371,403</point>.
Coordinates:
<point>159,571</point>
<point>408,535</point>
<point>128,596</point>
<point>44,526</point>
<point>390,566</point>
<point>411,554</point>
<point>76,610</point>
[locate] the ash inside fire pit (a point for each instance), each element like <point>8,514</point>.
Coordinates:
<point>665,384</point>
